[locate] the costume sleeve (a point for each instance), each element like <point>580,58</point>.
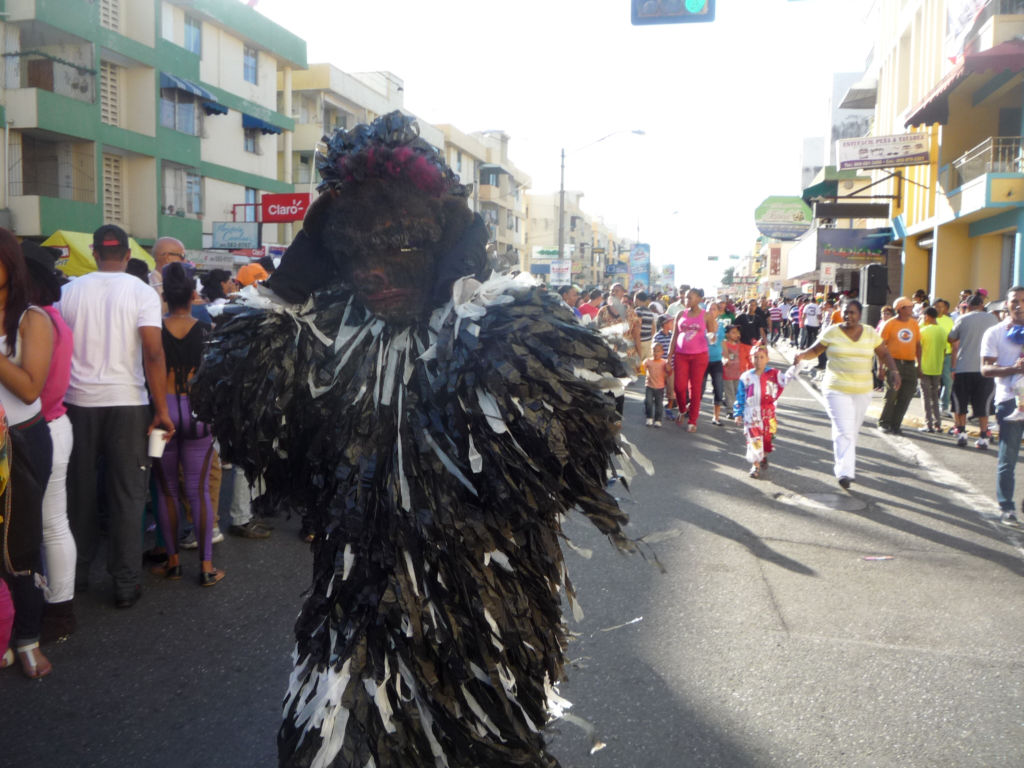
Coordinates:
<point>741,397</point>
<point>539,392</point>
<point>255,389</point>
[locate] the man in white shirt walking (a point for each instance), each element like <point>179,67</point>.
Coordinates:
<point>115,321</point>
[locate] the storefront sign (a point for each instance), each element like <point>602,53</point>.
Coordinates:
<point>883,151</point>
<point>783,218</point>
<point>291,206</point>
<point>561,271</point>
<point>234,235</point>
<point>852,247</point>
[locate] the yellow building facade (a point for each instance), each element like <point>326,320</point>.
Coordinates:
<point>955,72</point>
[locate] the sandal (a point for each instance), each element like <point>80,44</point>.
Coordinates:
<point>209,578</point>
<point>7,659</point>
<point>691,428</point>
<point>33,663</point>
<point>172,572</point>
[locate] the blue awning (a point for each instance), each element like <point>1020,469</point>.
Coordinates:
<point>214,108</point>
<point>248,121</point>
<point>181,84</point>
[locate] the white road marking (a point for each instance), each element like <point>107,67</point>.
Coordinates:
<point>961,491</point>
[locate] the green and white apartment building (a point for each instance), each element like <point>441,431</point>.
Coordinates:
<point>157,115</point>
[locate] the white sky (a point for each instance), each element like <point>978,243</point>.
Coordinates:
<point>725,105</point>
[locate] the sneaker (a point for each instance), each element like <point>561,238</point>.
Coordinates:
<point>649,422</point>
<point>925,429</point>
<point>1010,519</point>
<point>716,422</point>
<point>981,443</point>
<point>961,439</point>
<point>188,541</point>
<point>657,424</point>
<point>218,537</point>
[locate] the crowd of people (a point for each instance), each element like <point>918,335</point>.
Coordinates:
<point>90,369</point>
<point>919,347</point>
<point>93,366</point>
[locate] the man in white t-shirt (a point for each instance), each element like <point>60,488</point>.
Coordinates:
<point>810,323</point>
<point>115,321</point>
<point>1002,358</point>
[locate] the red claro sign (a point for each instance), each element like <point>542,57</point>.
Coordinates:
<point>290,206</point>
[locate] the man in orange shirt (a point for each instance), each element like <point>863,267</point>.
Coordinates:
<point>902,337</point>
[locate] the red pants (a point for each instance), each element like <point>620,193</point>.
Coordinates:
<point>689,383</point>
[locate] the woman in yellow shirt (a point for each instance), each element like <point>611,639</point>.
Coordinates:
<point>848,382</point>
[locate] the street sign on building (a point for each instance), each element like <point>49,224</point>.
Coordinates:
<point>828,272</point>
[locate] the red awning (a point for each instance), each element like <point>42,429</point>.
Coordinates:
<point>934,108</point>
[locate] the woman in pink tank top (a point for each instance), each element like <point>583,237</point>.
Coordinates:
<point>689,359</point>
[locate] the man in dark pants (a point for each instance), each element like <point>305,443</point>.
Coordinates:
<point>903,339</point>
<point>116,326</point>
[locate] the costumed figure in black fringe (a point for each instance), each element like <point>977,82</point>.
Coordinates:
<point>433,424</point>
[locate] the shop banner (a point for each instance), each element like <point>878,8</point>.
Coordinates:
<point>640,265</point>
<point>561,272</point>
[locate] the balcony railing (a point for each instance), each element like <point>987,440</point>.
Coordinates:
<point>998,154</point>
<point>37,69</point>
<point>53,188</point>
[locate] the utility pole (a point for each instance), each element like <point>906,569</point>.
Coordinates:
<point>561,210</point>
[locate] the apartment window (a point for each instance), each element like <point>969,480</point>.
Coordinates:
<point>178,111</point>
<point>458,161</point>
<point>305,170</point>
<point>110,93</point>
<point>490,179</point>
<point>510,220</point>
<point>250,204</point>
<point>250,64</point>
<point>252,140</point>
<point>193,35</point>
<point>183,191</point>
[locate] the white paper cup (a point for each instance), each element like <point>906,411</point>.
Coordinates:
<point>157,443</point>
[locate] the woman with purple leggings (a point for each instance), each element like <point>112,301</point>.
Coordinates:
<point>189,452</point>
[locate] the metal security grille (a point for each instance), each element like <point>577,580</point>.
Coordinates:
<point>113,197</point>
<point>110,14</point>
<point>110,93</point>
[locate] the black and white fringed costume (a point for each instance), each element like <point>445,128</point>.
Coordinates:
<point>436,456</point>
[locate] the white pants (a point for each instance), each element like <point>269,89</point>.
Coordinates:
<point>847,414</point>
<point>59,551</point>
<point>241,498</point>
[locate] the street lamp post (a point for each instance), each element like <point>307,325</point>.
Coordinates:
<point>561,186</point>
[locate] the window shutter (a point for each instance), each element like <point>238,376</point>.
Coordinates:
<point>110,14</point>
<point>110,93</point>
<point>113,198</point>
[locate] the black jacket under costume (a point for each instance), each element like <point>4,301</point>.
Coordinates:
<point>436,461</point>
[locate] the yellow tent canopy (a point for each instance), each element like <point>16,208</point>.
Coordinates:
<point>77,247</point>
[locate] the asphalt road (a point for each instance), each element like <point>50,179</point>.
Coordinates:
<point>774,636</point>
